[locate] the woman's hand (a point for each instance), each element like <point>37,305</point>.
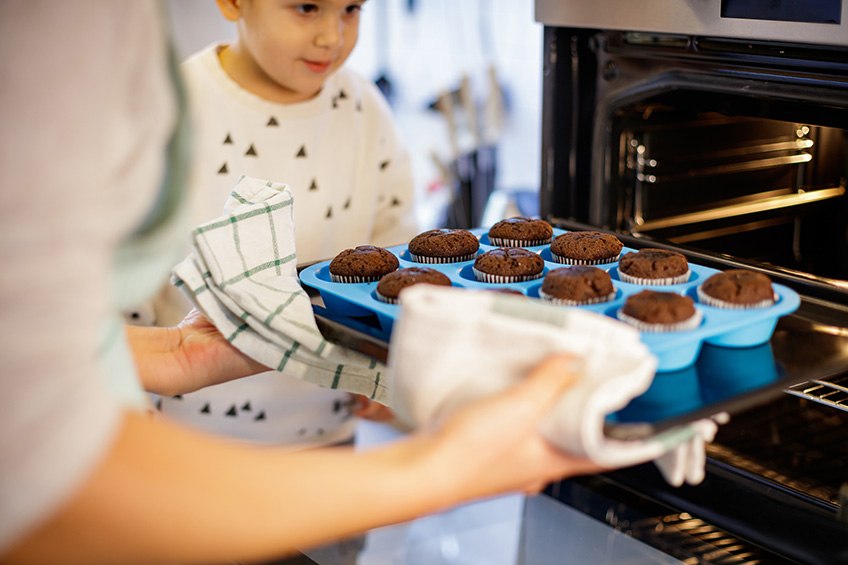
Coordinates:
<point>187,357</point>
<point>493,445</point>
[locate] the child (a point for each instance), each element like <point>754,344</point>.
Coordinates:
<point>277,104</point>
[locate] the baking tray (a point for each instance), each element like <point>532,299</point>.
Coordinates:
<point>674,350</point>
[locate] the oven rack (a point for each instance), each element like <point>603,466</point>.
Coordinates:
<point>830,392</point>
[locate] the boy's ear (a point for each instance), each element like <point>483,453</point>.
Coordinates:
<point>230,9</point>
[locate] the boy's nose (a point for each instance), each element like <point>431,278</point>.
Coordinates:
<point>330,31</point>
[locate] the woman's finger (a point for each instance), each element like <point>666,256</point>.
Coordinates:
<point>544,385</point>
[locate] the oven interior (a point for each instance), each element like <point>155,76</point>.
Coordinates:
<point>715,145</point>
<point>718,181</point>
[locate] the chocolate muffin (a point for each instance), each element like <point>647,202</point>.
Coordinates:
<point>650,266</point>
<point>654,311</point>
<point>366,263</point>
<point>585,248</point>
<point>508,265</point>
<point>443,246</point>
<point>520,231</point>
<point>391,285</point>
<point>737,288</point>
<point>577,285</point>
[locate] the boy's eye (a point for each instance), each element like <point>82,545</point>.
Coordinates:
<point>353,8</point>
<point>306,8</point>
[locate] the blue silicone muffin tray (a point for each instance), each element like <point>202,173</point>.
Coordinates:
<point>674,350</point>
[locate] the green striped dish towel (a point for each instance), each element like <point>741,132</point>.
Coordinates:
<point>450,346</point>
<point>242,275</point>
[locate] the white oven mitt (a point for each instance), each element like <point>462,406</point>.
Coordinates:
<point>450,345</point>
<point>242,276</point>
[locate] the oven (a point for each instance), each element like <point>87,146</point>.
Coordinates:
<point>720,130</point>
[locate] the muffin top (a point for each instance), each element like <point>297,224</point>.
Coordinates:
<point>444,242</point>
<point>578,283</point>
<point>393,283</point>
<point>586,245</point>
<point>651,263</point>
<point>739,286</point>
<point>364,261</point>
<point>654,307</point>
<point>521,228</point>
<point>510,261</point>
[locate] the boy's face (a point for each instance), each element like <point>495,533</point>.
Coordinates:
<point>287,48</point>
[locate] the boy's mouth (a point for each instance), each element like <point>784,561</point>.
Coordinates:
<point>317,66</point>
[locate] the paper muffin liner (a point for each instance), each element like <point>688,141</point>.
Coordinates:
<point>504,242</point>
<point>705,298</point>
<point>385,299</point>
<point>442,260</point>
<point>568,302</point>
<point>501,279</point>
<point>685,325</point>
<point>353,279</point>
<point>655,282</point>
<point>569,261</point>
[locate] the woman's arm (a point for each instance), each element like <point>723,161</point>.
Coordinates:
<point>168,494</point>
<point>187,357</point>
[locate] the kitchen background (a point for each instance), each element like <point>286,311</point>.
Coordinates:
<point>424,51</point>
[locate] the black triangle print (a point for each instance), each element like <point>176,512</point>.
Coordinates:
<point>319,431</point>
<point>246,406</point>
<point>395,202</point>
<point>260,416</point>
<point>232,411</point>
<point>337,406</point>
<point>347,204</point>
<point>272,122</point>
<point>342,94</point>
<point>301,152</point>
<point>223,170</point>
<point>301,431</point>
<point>330,212</point>
<point>251,151</point>
<point>178,397</point>
<point>384,164</point>
<point>335,104</point>
<point>314,185</point>
<point>205,409</point>
<point>229,140</point>
<point>159,405</point>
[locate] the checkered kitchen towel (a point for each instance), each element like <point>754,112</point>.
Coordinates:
<point>242,275</point>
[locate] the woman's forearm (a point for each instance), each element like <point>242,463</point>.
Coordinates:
<point>167,494</point>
